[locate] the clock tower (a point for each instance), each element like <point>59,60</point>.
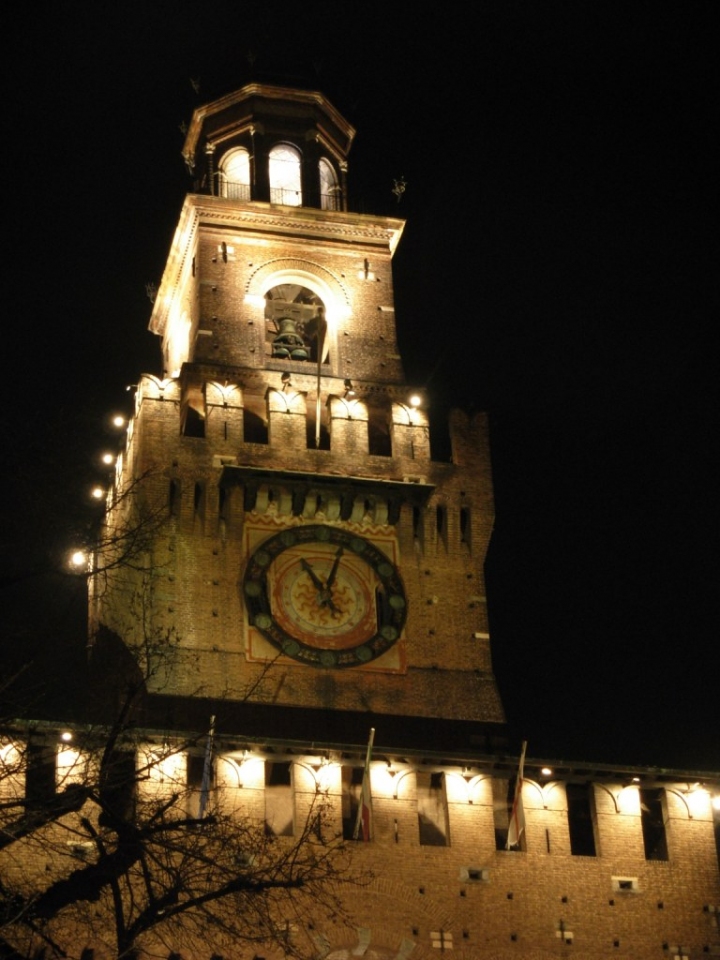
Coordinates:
<point>315,570</point>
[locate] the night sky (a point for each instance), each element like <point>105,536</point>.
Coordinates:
<point>558,269</point>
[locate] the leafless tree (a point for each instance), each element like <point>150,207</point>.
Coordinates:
<point>105,846</point>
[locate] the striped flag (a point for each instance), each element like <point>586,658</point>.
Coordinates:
<point>364,817</point>
<point>207,770</point>
<point>517,818</point>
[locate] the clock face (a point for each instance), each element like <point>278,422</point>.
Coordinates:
<point>324,596</point>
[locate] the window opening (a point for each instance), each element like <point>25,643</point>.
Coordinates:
<point>235,175</point>
<point>432,810</point>
<point>441,524</point>
<point>199,503</point>
<point>255,425</point>
<point>581,819</point>
<point>285,175</point>
<point>465,525</point>
<point>279,800</point>
<point>193,423</point>
<point>174,490</point>
<point>294,323</point>
<point>652,819</point>
<point>417,522</point>
<point>440,444</point>
<point>329,187</point>
<point>224,510</point>
<point>352,778</point>
<point>379,442</point>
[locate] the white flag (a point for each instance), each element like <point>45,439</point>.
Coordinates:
<point>364,817</point>
<point>517,817</point>
<point>207,770</point>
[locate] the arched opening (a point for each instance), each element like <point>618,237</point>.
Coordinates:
<point>295,323</point>
<point>235,175</point>
<point>329,186</point>
<point>285,175</point>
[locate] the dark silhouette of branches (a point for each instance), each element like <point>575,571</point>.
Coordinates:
<point>112,854</point>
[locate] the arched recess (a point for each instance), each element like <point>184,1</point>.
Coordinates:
<point>304,275</point>
<point>330,195</point>
<point>284,167</point>
<point>234,174</point>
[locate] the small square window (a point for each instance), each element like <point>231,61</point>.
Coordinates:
<point>625,884</point>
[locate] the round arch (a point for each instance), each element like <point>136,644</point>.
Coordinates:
<point>316,278</point>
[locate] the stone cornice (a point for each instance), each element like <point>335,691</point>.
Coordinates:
<point>265,92</point>
<point>305,222</point>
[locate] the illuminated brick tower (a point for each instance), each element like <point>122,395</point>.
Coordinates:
<point>279,529</point>
<point>312,555</point>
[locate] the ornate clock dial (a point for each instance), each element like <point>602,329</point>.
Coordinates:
<point>324,596</point>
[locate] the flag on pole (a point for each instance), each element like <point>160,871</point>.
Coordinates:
<point>364,817</point>
<point>321,335</point>
<point>517,817</point>
<point>207,770</point>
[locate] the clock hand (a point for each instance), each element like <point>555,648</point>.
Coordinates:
<point>324,595</point>
<point>313,576</point>
<point>333,572</point>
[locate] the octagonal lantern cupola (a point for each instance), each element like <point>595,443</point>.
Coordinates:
<point>271,144</point>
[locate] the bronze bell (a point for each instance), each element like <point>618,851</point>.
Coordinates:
<point>288,342</point>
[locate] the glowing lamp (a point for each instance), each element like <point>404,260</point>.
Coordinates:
<point>97,493</point>
<point>118,421</point>
<point>108,458</point>
<point>79,559</point>
<point>415,400</point>
<point>66,736</point>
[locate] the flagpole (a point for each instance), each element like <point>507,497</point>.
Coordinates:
<point>207,770</point>
<point>363,820</point>
<point>516,826</point>
<point>322,330</point>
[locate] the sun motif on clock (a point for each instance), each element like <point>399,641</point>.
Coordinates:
<point>325,596</point>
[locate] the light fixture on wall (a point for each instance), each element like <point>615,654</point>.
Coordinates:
<point>286,381</point>
<point>349,389</point>
<point>79,560</point>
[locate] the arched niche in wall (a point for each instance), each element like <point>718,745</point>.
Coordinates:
<point>234,174</point>
<point>330,195</point>
<point>306,294</point>
<point>284,168</point>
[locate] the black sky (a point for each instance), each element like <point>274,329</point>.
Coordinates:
<point>557,269</point>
